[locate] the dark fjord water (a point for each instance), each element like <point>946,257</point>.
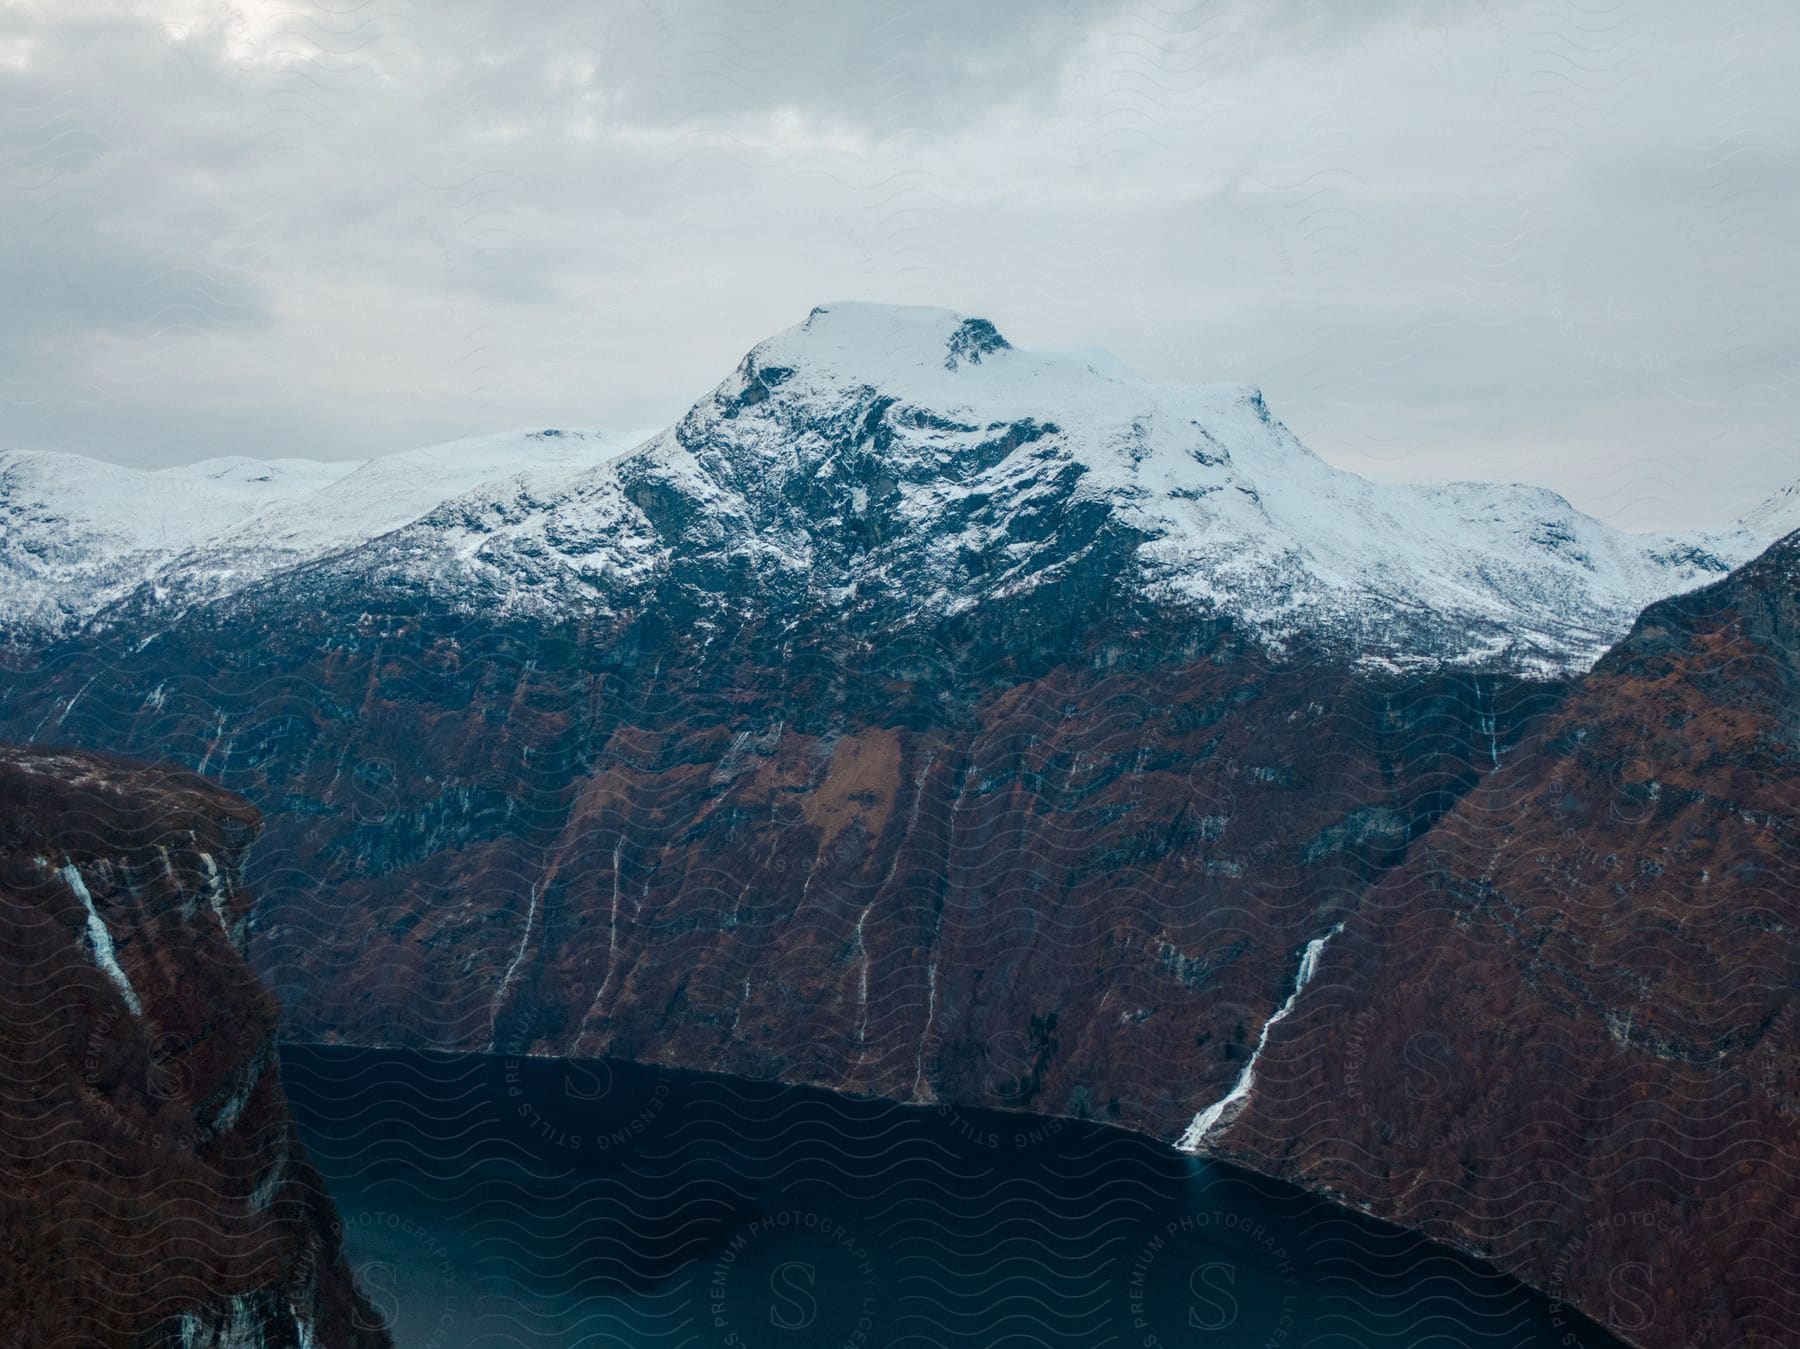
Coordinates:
<point>500,1201</point>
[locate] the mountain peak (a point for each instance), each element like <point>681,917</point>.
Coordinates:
<point>865,341</point>
<point>875,320</point>
<point>973,339</point>
<point>908,461</point>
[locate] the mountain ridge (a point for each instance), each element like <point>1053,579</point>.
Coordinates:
<point>82,534</point>
<point>911,463</point>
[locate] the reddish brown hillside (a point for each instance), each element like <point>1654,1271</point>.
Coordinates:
<point>1565,1034</point>
<point>150,1192</point>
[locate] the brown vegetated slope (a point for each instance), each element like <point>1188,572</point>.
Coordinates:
<point>1566,1034</point>
<point>1082,895</point>
<point>150,1192</point>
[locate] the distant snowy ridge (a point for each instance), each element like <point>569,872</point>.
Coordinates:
<point>898,464</point>
<point>77,534</point>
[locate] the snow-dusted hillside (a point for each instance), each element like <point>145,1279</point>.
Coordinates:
<point>77,534</point>
<point>891,464</point>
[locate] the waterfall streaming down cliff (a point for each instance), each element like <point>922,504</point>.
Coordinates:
<point>1209,1119</point>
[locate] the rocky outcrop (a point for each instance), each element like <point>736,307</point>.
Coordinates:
<point>1564,1033</point>
<point>152,1193</point>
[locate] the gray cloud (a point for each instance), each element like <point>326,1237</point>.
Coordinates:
<point>1494,240</point>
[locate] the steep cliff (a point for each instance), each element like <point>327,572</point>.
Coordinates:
<point>150,1193</point>
<point>1565,1032</point>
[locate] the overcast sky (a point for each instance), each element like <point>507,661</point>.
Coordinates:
<point>1542,241</point>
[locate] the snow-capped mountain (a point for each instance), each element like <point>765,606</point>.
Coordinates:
<point>892,464</point>
<point>77,534</point>
<point>896,462</point>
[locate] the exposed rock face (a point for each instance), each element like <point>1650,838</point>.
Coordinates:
<point>1565,1033</point>
<point>152,1194</point>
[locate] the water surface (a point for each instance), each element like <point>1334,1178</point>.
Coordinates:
<point>492,1201</point>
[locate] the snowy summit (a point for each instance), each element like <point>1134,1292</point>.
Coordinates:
<point>912,462</point>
